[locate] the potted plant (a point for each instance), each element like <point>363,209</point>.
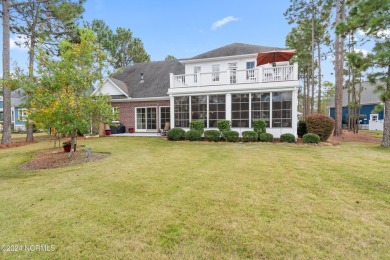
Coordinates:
<point>67,145</point>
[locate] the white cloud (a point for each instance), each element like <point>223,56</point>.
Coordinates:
<point>223,21</point>
<point>20,39</point>
<point>381,33</point>
<point>363,51</point>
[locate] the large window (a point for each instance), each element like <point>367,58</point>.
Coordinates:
<point>164,116</point>
<point>22,114</point>
<point>215,75</point>
<point>281,109</point>
<point>240,110</point>
<point>260,107</point>
<point>196,71</point>
<point>199,108</point>
<point>182,111</point>
<point>250,70</point>
<point>216,109</point>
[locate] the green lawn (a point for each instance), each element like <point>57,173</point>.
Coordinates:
<point>157,199</point>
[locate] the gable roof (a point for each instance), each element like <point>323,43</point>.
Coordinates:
<point>368,95</point>
<point>234,49</point>
<point>155,81</point>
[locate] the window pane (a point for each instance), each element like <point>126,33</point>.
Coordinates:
<point>181,111</point>
<point>240,110</point>
<point>282,109</point>
<point>216,109</point>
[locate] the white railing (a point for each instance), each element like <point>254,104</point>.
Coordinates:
<point>229,77</point>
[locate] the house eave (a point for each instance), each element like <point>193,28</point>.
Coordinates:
<point>138,99</point>
<point>243,56</point>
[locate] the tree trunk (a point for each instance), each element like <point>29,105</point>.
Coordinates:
<point>6,138</point>
<point>339,67</point>
<point>386,123</point>
<point>312,57</point>
<point>31,58</point>
<point>304,95</point>
<point>319,110</point>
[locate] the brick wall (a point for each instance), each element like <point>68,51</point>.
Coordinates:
<point>127,111</point>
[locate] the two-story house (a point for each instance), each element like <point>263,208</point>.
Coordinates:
<point>224,83</point>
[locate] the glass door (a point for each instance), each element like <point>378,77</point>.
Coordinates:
<point>146,118</point>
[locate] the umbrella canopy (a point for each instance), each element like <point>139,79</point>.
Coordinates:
<point>274,56</point>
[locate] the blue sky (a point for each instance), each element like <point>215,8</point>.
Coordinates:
<point>187,28</point>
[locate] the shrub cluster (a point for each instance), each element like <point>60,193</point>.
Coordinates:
<point>230,136</point>
<point>176,134</point>
<point>193,135</point>
<point>224,125</point>
<point>311,138</point>
<point>266,137</point>
<point>301,128</point>
<point>249,136</point>
<point>212,135</point>
<point>321,125</point>
<point>287,138</point>
<point>197,125</point>
<point>259,126</point>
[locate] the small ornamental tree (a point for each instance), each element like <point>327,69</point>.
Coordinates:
<point>259,126</point>
<point>60,98</point>
<point>197,125</point>
<point>320,125</point>
<point>224,125</point>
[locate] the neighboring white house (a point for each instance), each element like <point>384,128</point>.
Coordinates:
<point>220,84</point>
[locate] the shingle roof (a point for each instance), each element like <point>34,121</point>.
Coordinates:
<point>234,49</point>
<point>368,95</point>
<point>155,74</point>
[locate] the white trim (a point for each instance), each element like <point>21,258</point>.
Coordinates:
<point>115,85</point>
<point>139,99</point>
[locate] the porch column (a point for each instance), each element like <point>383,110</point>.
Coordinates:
<point>294,111</point>
<point>228,107</point>
<point>172,110</point>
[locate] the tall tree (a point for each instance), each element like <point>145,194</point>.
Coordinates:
<point>122,48</point>
<point>373,18</point>
<point>43,23</point>
<point>170,57</point>
<point>6,138</point>
<point>339,69</point>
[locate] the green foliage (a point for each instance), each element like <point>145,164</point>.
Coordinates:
<point>122,47</point>
<point>60,99</point>
<point>230,136</point>
<point>249,136</point>
<point>197,125</point>
<point>287,138</point>
<point>266,137</point>
<point>321,125</point>
<point>311,138</point>
<point>302,128</point>
<point>224,125</point>
<point>212,135</point>
<point>193,135</point>
<point>259,126</point>
<point>176,134</point>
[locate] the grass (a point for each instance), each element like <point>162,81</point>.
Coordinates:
<point>374,133</point>
<point>153,199</point>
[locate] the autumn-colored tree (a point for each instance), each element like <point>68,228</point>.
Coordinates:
<point>60,97</point>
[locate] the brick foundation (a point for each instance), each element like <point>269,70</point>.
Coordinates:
<point>127,111</point>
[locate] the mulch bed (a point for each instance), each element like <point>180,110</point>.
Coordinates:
<point>56,158</point>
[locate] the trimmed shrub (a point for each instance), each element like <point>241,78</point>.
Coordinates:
<point>212,135</point>
<point>266,137</point>
<point>311,138</point>
<point>193,135</point>
<point>287,138</point>
<point>230,136</point>
<point>224,125</point>
<point>302,128</point>
<point>320,125</point>
<point>197,125</point>
<point>249,136</point>
<point>259,126</point>
<point>176,134</point>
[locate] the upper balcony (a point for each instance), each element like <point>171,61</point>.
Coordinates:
<point>236,77</point>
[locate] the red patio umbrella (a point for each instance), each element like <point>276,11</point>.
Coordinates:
<point>274,56</point>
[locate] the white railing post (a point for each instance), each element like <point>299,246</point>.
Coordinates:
<point>228,107</point>
<point>260,74</point>
<point>171,83</point>
<point>295,77</point>
<point>172,110</point>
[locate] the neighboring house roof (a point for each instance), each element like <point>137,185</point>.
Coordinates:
<point>368,95</point>
<point>234,49</point>
<point>155,81</point>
